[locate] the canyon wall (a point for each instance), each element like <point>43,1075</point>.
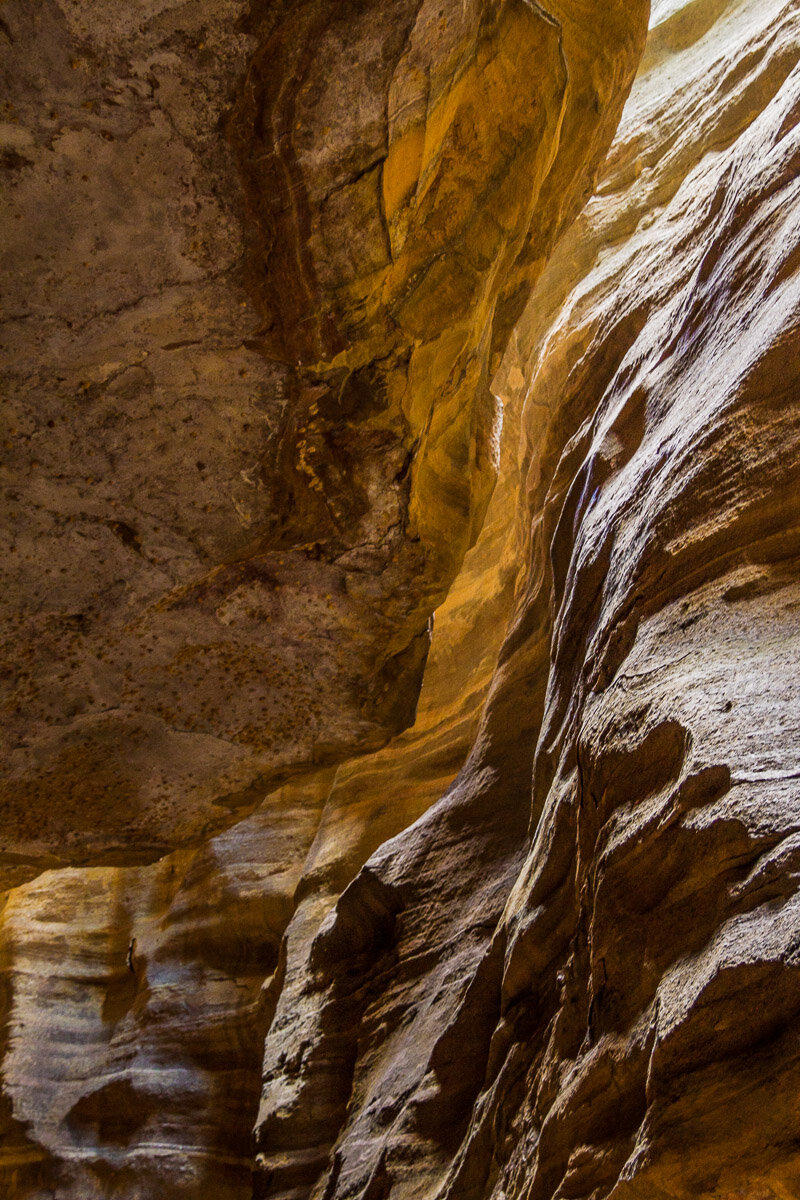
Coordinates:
<point>542,945</point>
<point>261,260</point>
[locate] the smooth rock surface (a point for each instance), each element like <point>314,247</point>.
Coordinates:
<point>608,1008</point>
<point>543,945</point>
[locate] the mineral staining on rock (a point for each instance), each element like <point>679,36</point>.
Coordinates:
<point>251,434</point>
<point>542,945</point>
<point>606,1010</point>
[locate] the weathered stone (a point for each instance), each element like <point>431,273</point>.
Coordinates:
<point>256,259</point>
<point>542,945</point>
<point>608,1010</point>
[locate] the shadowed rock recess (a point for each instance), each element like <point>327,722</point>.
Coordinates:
<point>317,318</point>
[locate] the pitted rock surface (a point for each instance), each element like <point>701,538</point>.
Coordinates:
<point>259,262</point>
<point>542,945</point>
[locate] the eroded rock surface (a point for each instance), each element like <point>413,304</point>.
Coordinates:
<point>608,1008</point>
<point>573,976</point>
<point>251,438</point>
<point>261,261</point>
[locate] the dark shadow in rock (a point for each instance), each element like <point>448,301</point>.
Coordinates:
<point>112,1115</point>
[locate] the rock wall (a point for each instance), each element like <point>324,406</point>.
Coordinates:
<point>262,259</point>
<point>543,945</point>
<point>593,993</point>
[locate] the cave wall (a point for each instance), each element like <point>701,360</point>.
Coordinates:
<point>596,994</point>
<point>262,260</point>
<point>542,945</point>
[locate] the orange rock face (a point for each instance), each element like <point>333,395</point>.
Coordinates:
<point>262,260</point>
<point>594,996</point>
<point>542,945</point>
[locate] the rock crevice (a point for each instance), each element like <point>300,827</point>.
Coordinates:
<point>531,932</point>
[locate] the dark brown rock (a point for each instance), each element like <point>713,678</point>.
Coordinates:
<point>255,261</point>
<point>542,945</point>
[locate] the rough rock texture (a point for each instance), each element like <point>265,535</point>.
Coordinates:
<point>278,365</point>
<point>260,263</point>
<point>575,975</point>
<point>606,1007</point>
<point>167,972</point>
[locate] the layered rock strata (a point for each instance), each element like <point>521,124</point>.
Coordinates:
<point>171,649</point>
<point>573,976</point>
<point>595,994</point>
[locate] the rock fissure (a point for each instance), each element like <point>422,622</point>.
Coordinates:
<point>437,314</point>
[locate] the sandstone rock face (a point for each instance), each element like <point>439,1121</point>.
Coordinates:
<point>543,945</point>
<point>278,366</point>
<point>261,262</point>
<point>605,1007</point>
<point>135,1009</point>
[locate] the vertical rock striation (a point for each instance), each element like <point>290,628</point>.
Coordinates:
<point>544,944</point>
<point>605,1007</point>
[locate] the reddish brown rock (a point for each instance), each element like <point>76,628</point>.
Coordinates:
<point>260,262</point>
<point>542,945</point>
